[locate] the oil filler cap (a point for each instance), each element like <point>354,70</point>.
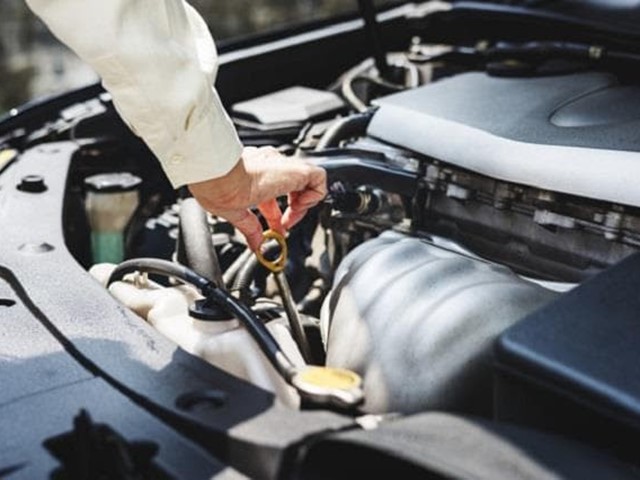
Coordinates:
<point>325,385</point>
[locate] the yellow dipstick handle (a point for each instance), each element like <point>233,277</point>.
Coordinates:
<point>277,265</point>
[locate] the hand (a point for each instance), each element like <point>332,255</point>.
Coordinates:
<point>262,175</point>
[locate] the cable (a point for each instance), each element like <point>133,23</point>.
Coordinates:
<point>231,272</point>
<point>247,272</point>
<point>363,169</point>
<point>319,385</point>
<point>366,71</point>
<point>219,297</point>
<point>257,330</point>
<point>379,82</point>
<point>160,267</point>
<point>347,127</point>
<point>548,49</point>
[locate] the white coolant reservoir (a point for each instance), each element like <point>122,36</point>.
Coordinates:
<point>225,344</point>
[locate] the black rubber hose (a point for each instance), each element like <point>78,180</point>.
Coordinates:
<point>256,329</point>
<point>160,267</point>
<point>345,128</point>
<point>246,274</point>
<point>539,50</point>
<point>230,273</point>
<point>195,239</point>
<point>220,297</point>
<point>542,50</point>
<point>360,170</point>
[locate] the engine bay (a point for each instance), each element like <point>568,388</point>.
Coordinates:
<point>472,186</point>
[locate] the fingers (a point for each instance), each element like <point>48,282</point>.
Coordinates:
<point>296,210</point>
<point>259,178</point>
<point>248,224</point>
<point>306,199</point>
<point>290,218</point>
<point>272,214</point>
<point>301,202</point>
<point>317,187</point>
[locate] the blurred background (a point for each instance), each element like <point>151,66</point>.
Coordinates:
<point>33,64</point>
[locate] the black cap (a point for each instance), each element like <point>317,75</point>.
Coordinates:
<point>207,311</point>
<point>32,184</point>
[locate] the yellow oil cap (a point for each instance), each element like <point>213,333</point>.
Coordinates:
<point>325,377</point>
<point>7,156</point>
<point>328,385</point>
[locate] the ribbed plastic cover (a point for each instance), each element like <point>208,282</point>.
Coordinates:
<point>417,322</point>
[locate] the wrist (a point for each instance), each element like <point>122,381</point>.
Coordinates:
<point>229,191</point>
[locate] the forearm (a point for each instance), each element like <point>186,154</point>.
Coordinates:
<point>158,61</point>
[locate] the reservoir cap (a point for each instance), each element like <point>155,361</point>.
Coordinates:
<point>113,182</point>
<point>325,385</point>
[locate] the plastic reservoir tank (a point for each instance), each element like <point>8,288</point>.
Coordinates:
<point>223,343</point>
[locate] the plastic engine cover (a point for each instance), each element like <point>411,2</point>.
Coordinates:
<point>418,321</point>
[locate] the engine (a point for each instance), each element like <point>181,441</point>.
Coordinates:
<point>461,201</point>
<point>464,300</point>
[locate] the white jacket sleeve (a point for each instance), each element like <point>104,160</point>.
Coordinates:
<point>159,62</point>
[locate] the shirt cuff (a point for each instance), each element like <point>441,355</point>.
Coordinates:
<point>209,148</point>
